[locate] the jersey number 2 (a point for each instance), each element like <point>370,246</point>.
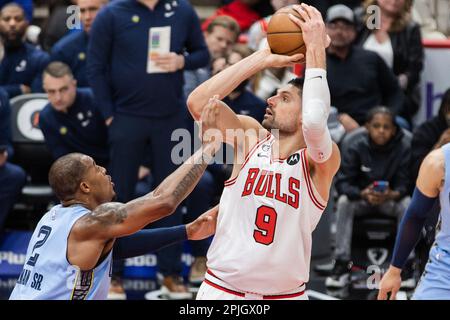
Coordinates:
<point>266,220</point>
<point>45,230</point>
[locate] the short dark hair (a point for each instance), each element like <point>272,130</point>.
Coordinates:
<point>380,110</point>
<point>298,83</point>
<point>65,175</point>
<point>58,69</point>
<point>13,5</point>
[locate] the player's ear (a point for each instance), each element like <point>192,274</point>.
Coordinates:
<point>84,187</point>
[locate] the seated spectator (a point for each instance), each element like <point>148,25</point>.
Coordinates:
<point>22,65</point>
<point>12,177</point>
<point>398,41</point>
<point>382,153</point>
<point>358,79</point>
<point>220,35</point>
<point>71,122</point>
<point>433,16</point>
<point>72,48</point>
<point>241,100</point>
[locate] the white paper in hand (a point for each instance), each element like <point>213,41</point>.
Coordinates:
<point>158,43</point>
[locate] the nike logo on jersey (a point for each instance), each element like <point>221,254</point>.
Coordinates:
<point>316,77</point>
<point>262,155</point>
<point>365,169</point>
<point>266,183</point>
<point>169,14</point>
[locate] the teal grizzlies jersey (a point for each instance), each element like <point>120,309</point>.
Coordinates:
<point>443,227</point>
<point>47,275</point>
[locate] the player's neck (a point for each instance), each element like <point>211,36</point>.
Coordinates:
<point>76,201</point>
<point>286,145</point>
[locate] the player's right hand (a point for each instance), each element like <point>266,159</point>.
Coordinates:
<point>390,283</point>
<point>280,61</point>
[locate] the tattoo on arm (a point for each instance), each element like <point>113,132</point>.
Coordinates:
<point>188,180</point>
<point>109,214</point>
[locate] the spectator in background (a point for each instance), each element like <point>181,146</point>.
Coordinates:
<point>241,100</point>
<point>220,35</point>
<point>27,6</point>
<point>433,16</point>
<point>71,122</point>
<point>398,41</point>
<point>148,107</point>
<point>382,153</point>
<point>12,177</point>
<point>72,48</point>
<point>22,66</point>
<point>359,79</point>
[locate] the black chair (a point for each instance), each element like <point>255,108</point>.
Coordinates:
<point>31,153</point>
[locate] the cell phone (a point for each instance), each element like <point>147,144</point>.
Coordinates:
<point>380,185</point>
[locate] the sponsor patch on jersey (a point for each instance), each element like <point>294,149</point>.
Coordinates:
<point>293,159</point>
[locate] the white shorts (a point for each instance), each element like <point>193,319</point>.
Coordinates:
<point>213,291</point>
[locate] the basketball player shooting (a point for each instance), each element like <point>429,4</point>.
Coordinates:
<point>271,204</point>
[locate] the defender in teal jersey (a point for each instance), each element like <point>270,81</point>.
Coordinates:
<point>433,184</point>
<point>71,250</point>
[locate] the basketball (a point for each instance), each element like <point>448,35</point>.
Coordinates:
<point>283,35</point>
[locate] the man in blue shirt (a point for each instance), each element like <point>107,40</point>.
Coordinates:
<point>12,177</point>
<point>22,65</point>
<point>71,122</point>
<point>147,107</point>
<point>27,6</point>
<point>72,48</point>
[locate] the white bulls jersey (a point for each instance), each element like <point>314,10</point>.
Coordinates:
<point>267,213</point>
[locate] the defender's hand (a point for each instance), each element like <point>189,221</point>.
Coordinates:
<point>390,283</point>
<point>204,226</point>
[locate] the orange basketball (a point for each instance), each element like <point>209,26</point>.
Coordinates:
<point>283,35</point>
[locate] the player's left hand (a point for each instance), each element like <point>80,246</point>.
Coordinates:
<point>390,284</point>
<point>312,25</point>
<point>204,226</point>
<point>170,62</point>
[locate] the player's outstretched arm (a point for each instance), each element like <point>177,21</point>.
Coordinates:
<point>149,240</point>
<point>223,83</point>
<point>112,220</point>
<point>425,194</point>
<point>323,153</point>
